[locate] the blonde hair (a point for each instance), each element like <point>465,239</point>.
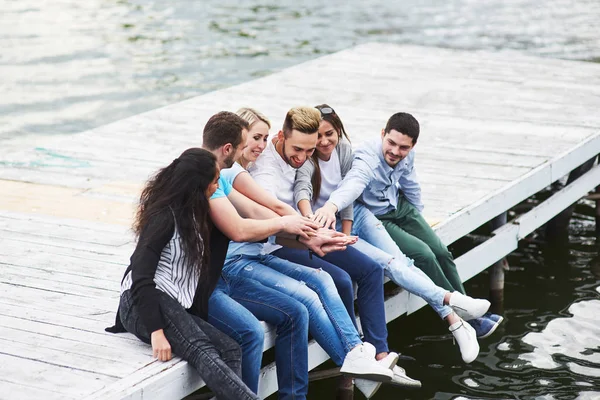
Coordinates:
<point>302,119</point>
<point>253,116</point>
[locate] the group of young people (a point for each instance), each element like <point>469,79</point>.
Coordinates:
<point>250,228</point>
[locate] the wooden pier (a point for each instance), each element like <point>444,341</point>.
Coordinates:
<point>496,129</point>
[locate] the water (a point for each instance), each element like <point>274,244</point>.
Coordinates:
<point>67,66</point>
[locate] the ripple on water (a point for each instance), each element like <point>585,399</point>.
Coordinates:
<point>577,336</point>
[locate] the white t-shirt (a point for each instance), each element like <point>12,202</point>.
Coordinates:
<point>274,175</point>
<point>277,177</point>
<point>331,176</point>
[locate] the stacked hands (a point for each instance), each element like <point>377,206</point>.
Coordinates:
<point>318,236</point>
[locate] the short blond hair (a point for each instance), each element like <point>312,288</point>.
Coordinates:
<point>253,116</point>
<point>302,119</point>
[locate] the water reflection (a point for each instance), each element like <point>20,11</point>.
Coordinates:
<point>68,66</point>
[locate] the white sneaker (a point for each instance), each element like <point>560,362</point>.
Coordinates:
<point>401,379</point>
<point>369,388</point>
<point>360,363</point>
<point>466,338</point>
<point>467,307</point>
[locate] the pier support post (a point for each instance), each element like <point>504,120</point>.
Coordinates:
<point>556,228</point>
<point>497,273</point>
<point>345,389</point>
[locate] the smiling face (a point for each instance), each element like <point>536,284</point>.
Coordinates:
<point>297,147</point>
<point>257,141</point>
<point>395,146</point>
<point>327,140</point>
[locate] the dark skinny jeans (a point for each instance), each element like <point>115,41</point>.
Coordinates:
<point>215,356</point>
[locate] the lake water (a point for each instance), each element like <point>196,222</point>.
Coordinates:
<point>67,66</point>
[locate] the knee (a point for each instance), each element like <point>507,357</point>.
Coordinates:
<point>321,282</point>
<point>425,256</point>
<point>442,252</point>
<point>344,286</point>
<point>294,317</point>
<point>255,337</point>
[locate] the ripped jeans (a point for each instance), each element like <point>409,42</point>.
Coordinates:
<point>329,322</point>
<point>376,242</point>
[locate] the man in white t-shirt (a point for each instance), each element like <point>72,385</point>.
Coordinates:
<point>275,171</point>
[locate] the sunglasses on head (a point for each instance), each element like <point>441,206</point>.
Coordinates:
<point>326,110</point>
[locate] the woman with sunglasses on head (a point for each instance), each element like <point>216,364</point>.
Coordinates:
<point>317,179</point>
<point>169,277</point>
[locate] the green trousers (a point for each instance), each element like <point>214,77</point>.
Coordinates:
<point>416,239</point>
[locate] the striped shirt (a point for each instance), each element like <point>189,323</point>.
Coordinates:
<point>174,276</point>
<point>157,265</point>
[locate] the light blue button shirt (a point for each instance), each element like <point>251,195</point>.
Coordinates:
<point>374,183</point>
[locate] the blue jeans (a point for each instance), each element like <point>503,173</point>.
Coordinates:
<point>376,242</point>
<point>329,322</point>
<point>212,353</point>
<point>344,267</point>
<point>235,307</point>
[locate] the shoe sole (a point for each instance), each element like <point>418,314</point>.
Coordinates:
<point>407,384</point>
<point>370,377</point>
<point>496,324</point>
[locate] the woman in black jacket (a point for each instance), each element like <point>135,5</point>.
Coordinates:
<point>167,284</point>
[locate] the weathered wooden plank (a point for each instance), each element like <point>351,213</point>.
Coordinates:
<point>58,327</point>
<point>56,230</point>
<point>46,293</point>
<point>51,377</point>
<point>69,355</point>
<point>11,390</point>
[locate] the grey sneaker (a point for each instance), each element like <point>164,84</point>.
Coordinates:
<point>369,388</point>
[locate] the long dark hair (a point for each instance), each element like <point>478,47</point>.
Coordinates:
<point>176,195</point>
<point>337,124</point>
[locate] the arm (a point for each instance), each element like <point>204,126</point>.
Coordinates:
<point>244,184</point>
<point>352,186</point>
<point>144,263</point>
<point>303,190</point>
<point>227,220</point>
<point>248,208</point>
<point>347,226</point>
<point>304,207</point>
<point>409,184</point>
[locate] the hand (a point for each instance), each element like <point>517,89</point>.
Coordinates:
<point>350,240</point>
<point>323,244</point>
<point>299,225</point>
<point>330,233</point>
<point>325,216</point>
<point>161,348</point>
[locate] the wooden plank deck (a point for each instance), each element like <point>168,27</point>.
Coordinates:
<point>496,128</point>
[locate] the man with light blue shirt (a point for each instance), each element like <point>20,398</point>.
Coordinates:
<point>383,178</point>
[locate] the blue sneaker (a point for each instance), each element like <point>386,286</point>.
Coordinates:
<point>494,317</point>
<point>484,327</point>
